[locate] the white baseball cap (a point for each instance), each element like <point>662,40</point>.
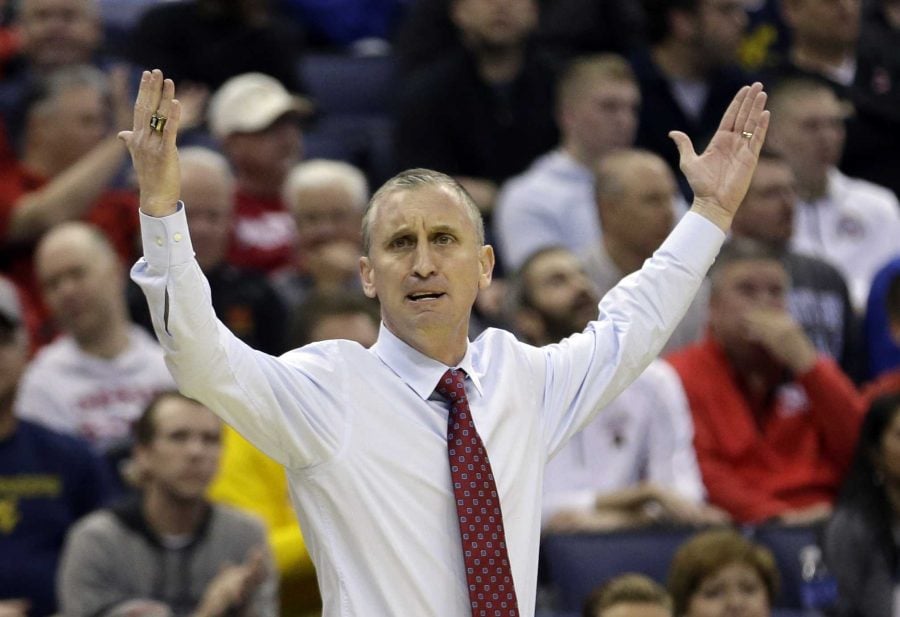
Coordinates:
<point>251,102</point>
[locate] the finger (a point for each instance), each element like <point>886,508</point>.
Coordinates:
<point>156,88</point>
<point>759,134</point>
<point>743,114</point>
<point>684,145</point>
<point>142,109</point>
<point>730,115</point>
<point>170,131</point>
<point>167,94</point>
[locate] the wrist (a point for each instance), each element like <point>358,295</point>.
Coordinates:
<point>713,212</point>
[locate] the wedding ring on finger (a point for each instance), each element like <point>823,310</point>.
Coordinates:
<point>747,134</point>
<point>157,122</point>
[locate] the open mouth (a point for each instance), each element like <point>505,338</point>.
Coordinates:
<point>424,296</point>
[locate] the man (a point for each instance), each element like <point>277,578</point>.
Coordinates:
<point>257,122</point>
<point>775,423</point>
<point>852,223</point>
<point>93,381</point>
<point>170,552</point>
<point>818,298</point>
<point>243,300</point>
<point>883,331</point>
<point>69,160</point>
<point>689,71</point>
<point>552,203</point>
<point>484,112</point>
<point>364,437</point>
<point>327,200</point>
<point>629,595</point>
<point>47,482</point>
<point>634,464</point>
<point>635,194</point>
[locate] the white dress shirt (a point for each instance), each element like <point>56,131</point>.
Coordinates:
<point>364,439</point>
<point>645,435</point>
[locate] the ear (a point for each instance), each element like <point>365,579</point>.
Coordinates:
<point>367,276</point>
<point>486,261</point>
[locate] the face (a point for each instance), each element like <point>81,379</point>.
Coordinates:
<point>357,327</point>
<point>603,116</point>
<point>59,32</point>
<point>889,454</point>
<point>268,154</point>
<point>183,456</point>
<point>81,284</point>
<point>741,287</point>
<point>826,23</point>
<point>561,293</point>
<point>808,132</point>
<point>734,591</point>
<point>642,216</point>
<point>495,24</point>
<point>72,124</point>
<point>425,265</point>
<point>210,202</point>
<point>767,213</point>
<point>636,609</point>
<point>326,214</point>
<point>720,27</point>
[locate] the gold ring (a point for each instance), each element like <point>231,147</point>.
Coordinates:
<point>747,134</point>
<point>157,122</point>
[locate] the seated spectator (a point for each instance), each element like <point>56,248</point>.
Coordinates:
<point>888,380</point>
<point>719,572</point>
<point>860,542</point>
<point>169,551</point>
<point>774,421</point>
<point>635,195</point>
<point>257,122</point>
<point>852,223</point>
<point>552,202</point>
<point>349,26</point>
<point>209,42</point>
<point>634,464</point>
<point>818,297</point>
<point>243,300</point>
<point>94,380</point>
<point>629,595</point>
<point>47,482</point>
<point>250,480</point>
<point>688,72</point>
<point>69,160</point>
<point>327,200</point>
<point>484,112</point>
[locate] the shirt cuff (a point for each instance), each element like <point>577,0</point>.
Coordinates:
<point>695,241</point>
<point>166,239</point>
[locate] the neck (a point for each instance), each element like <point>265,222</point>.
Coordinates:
<point>678,61</point>
<point>499,66</point>
<point>820,58</point>
<point>811,189</point>
<point>112,340</point>
<point>446,346</point>
<point>8,420</point>
<point>261,186</point>
<point>168,515</point>
<point>583,155</point>
<point>626,259</point>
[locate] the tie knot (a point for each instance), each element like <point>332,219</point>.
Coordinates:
<point>452,385</point>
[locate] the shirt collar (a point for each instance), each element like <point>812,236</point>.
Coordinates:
<point>417,370</point>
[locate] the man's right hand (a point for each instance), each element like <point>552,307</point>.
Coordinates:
<point>153,153</point>
<point>233,586</point>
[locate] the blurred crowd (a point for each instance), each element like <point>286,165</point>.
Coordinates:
<point>776,401</point>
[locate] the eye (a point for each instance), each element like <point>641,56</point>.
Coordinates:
<point>403,242</point>
<point>444,239</point>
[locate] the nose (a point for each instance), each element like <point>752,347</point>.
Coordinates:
<point>423,265</point>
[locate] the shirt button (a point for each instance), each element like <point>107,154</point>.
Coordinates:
<point>159,241</point>
<point>177,237</point>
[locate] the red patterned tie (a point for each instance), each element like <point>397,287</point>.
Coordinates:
<point>491,589</point>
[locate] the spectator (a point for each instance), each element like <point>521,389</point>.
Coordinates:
<point>94,380</point>
<point>883,325</point>
<point>257,122</point>
<point>688,72</point>
<point>327,200</point>
<point>552,203</point>
<point>719,572</point>
<point>852,223</point>
<point>250,480</point>
<point>48,481</point>
<point>243,300</point>
<point>169,552</point>
<point>482,113</point>
<point>634,464</point>
<point>629,595</point>
<point>860,544</point>
<point>635,195</point>
<point>69,159</point>
<point>818,297</point>
<point>208,42</point>
<point>361,27</point>
<point>774,422</point>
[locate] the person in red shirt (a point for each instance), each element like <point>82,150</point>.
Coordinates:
<point>775,422</point>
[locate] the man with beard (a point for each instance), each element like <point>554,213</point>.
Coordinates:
<point>775,422</point>
<point>634,464</point>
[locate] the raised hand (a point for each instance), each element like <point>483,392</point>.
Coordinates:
<point>153,152</point>
<point>720,175</point>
